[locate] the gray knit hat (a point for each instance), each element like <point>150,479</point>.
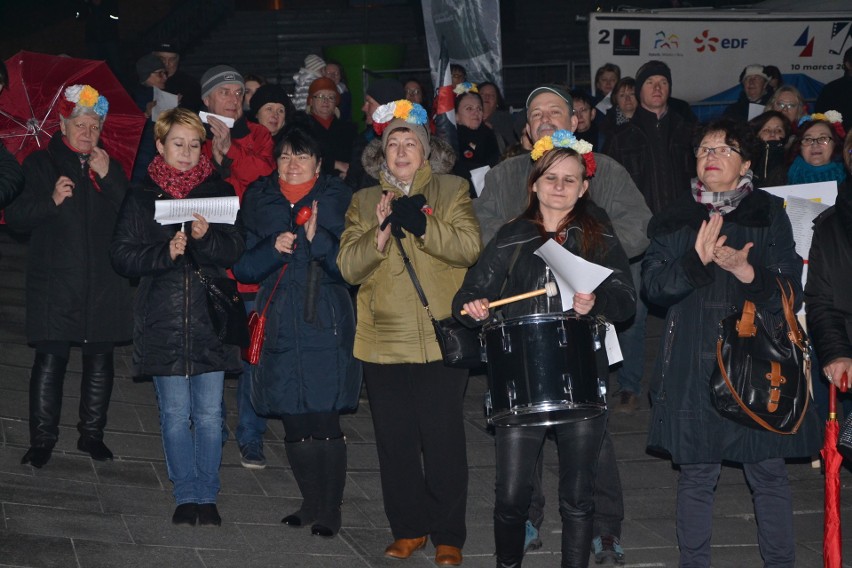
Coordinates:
<point>220,75</point>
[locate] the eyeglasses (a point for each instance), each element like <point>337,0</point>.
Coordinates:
<point>785,106</point>
<point>326,98</point>
<point>822,141</point>
<point>725,151</point>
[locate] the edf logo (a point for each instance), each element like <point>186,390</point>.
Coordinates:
<point>707,42</point>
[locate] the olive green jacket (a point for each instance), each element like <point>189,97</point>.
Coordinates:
<point>393,326</point>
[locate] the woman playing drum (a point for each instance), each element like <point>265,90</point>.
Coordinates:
<point>559,208</point>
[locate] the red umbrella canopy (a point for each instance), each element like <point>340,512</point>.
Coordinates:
<point>29,105</point>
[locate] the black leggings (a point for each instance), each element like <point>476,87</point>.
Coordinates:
<point>63,348</point>
<point>316,425</point>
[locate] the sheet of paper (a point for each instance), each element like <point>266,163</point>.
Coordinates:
<point>821,192</point>
<point>165,101</point>
<point>605,104</point>
<point>477,176</point>
<point>755,110</point>
<point>802,213</point>
<point>229,122</point>
<point>573,274</point>
<point>214,209</point>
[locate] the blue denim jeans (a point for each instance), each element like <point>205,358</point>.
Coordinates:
<point>250,426</point>
<point>191,425</point>
<point>632,339</point>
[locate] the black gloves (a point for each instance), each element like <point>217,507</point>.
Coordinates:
<point>407,214</point>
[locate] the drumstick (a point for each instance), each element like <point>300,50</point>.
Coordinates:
<point>549,289</point>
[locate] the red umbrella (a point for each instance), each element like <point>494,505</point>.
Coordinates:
<point>832,546</point>
<point>28,106</point>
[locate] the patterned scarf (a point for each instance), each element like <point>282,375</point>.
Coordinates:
<point>392,179</point>
<point>802,172</point>
<point>176,183</point>
<point>722,202</point>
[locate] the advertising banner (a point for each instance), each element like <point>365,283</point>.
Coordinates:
<point>707,50</point>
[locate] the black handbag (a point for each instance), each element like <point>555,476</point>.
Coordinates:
<point>225,307</point>
<point>461,346</point>
<point>762,379</point>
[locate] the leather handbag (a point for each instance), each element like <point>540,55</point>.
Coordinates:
<point>763,372</point>
<point>224,306</point>
<point>257,328</point>
<point>461,347</point>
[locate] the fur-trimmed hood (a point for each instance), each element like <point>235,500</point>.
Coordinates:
<point>442,158</point>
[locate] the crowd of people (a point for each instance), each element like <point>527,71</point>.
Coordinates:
<point>342,236</point>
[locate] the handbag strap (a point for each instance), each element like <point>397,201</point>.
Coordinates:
<point>272,293</point>
<point>794,331</point>
<point>407,262</point>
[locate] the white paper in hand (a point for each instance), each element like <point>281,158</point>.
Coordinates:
<point>477,177</point>
<point>573,274</point>
<point>214,209</point>
<point>229,122</point>
<point>165,101</point>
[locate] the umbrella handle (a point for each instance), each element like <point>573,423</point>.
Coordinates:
<point>832,402</point>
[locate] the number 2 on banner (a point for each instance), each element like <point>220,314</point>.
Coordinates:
<point>604,39</point>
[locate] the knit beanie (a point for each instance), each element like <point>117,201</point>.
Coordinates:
<point>419,130</point>
<point>385,91</point>
<point>753,69</point>
<point>650,69</point>
<point>146,65</point>
<point>220,75</point>
<point>268,93</point>
<point>314,63</point>
<point>324,84</point>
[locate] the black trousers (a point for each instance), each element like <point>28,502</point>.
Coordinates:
<point>419,426</point>
<point>518,450</point>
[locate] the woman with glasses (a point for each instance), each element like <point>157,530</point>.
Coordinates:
<point>773,130</point>
<point>721,243</point>
<point>817,150</point>
<point>335,136</point>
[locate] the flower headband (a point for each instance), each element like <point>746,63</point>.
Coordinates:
<point>403,109</point>
<point>466,87</point>
<point>82,96</point>
<point>566,139</point>
<point>830,116</point>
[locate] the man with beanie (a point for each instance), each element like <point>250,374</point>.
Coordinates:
<point>756,90</point>
<point>656,148</point>
<point>178,82</point>
<point>150,72</point>
<point>242,153</point>
<point>550,108</point>
<point>335,136</point>
<point>379,92</point>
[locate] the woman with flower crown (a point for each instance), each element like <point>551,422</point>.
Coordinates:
<point>817,149</point>
<point>415,401</point>
<point>174,340</point>
<point>74,297</point>
<point>560,209</point>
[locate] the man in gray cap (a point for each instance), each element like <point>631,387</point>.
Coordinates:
<point>243,152</point>
<point>550,108</point>
<point>656,148</point>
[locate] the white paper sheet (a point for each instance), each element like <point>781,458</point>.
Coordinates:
<point>821,192</point>
<point>165,101</point>
<point>229,122</point>
<point>573,274</point>
<point>755,110</point>
<point>214,209</point>
<point>477,176</point>
<point>802,213</point>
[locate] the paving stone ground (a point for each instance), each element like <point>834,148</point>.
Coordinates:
<point>76,513</point>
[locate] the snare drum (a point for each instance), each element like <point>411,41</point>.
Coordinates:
<point>542,370</point>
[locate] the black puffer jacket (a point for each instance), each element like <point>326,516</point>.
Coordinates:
<point>508,266</point>
<point>73,293</point>
<point>11,177</point>
<point>829,304</point>
<point>172,333</point>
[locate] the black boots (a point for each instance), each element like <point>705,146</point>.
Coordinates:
<point>46,382</point>
<point>95,393</point>
<point>319,467</point>
<point>510,544</point>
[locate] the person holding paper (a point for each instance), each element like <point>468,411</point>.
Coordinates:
<point>476,142</point>
<point>416,401</point>
<point>152,75</point>
<point>817,149</point>
<point>306,374</point>
<point>721,243</point>
<point>559,208</point>
<point>174,340</point>
<point>72,192</point>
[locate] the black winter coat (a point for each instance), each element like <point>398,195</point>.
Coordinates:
<point>11,177</point>
<point>684,421</point>
<point>335,142</point>
<point>477,148</point>
<point>305,366</point>
<point>73,292</point>
<point>172,332</point>
<point>508,266</point>
<point>829,304</point>
<point>657,153</point>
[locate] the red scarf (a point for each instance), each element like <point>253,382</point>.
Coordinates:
<point>84,161</point>
<point>294,192</point>
<point>325,122</point>
<point>176,183</point>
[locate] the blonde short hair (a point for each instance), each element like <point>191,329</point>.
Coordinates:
<point>180,116</point>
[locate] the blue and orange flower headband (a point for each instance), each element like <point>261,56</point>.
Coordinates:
<point>566,139</point>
